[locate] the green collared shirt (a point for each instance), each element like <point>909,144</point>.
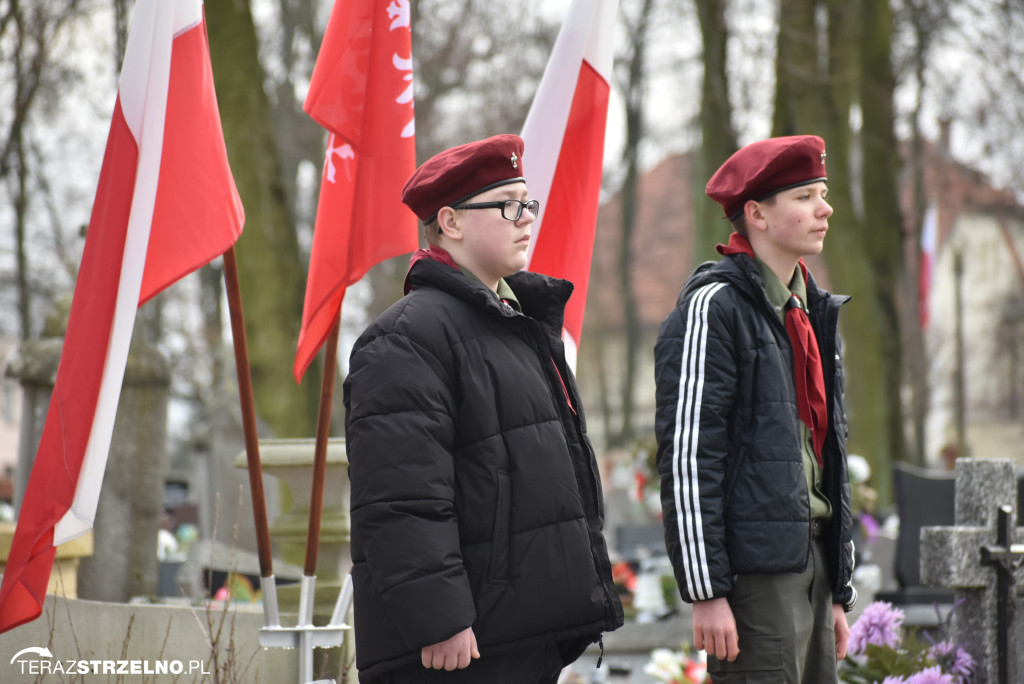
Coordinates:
<point>778,295</point>
<point>504,292</point>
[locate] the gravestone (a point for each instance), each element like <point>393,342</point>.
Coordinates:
<point>34,366</point>
<point>124,562</point>
<point>961,557</point>
<point>924,498</point>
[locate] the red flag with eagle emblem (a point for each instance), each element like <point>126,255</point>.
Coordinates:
<point>361,91</point>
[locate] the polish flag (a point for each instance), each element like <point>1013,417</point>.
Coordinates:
<point>165,205</point>
<point>361,91</point>
<point>929,243</point>
<point>564,136</point>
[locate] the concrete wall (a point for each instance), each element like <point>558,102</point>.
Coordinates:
<point>77,630</point>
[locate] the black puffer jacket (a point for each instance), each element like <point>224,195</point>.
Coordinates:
<point>476,499</point>
<point>734,494</point>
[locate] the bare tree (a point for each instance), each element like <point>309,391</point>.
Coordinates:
<point>632,81</point>
<point>984,88</point>
<point>476,67</point>
<point>270,270</point>
<point>833,61</point>
<point>28,32</point>
<point>921,22</point>
<point>718,134</point>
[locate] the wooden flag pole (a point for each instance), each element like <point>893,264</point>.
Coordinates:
<point>303,636</point>
<point>307,592</point>
<point>323,434</point>
<point>252,447</point>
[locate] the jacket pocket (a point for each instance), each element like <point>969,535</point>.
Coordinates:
<point>500,542</point>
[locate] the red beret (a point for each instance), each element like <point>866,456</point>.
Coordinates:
<point>455,175</point>
<point>761,169</point>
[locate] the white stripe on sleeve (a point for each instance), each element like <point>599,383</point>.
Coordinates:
<point>684,444</point>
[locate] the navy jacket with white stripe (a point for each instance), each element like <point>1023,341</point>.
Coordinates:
<point>733,492</point>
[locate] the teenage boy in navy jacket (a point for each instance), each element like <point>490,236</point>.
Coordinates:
<point>752,431</point>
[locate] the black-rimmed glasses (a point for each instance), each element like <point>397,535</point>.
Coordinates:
<point>511,209</point>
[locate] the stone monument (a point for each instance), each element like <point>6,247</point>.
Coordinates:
<point>124,561</point>
<point>971,558</point>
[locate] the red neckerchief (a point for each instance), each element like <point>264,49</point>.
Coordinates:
<point>737,245</point>
<point>432,252</point>
<point>810,379</point>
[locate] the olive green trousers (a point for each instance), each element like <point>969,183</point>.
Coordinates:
<point>784,621</point>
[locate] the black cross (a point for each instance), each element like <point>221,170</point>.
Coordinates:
<point>1007,558</point>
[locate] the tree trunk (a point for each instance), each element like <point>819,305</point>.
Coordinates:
<point>924,22</point>
<point>883,223</point>
<point>819,72</point>
<point>271,275</point>
<point>634,96</point>
<point>717,133</point>
<point>20,208</point>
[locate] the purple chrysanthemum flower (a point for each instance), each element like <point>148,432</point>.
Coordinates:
<point>963,666</point>
<point>954,660</point>
<point>933,675</point>
<point>893,679</point>
<point>879,624</point>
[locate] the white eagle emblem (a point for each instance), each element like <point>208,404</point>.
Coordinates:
<point>343,152</point>
<point>400,14</point>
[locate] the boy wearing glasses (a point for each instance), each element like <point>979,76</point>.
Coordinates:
<point>752,431</point>
<point>476,500</point>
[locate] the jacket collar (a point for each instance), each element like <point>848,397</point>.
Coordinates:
<point>741,245</point>
<point>542,298</point>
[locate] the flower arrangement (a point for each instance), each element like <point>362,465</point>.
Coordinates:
<point>880,653</point>
<point>677,667</point>
<point>624,577</point>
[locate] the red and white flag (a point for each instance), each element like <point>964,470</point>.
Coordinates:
<point>165,205</point>
<point>361,91</point>
<point>564,136</point>
<point>929,245</point>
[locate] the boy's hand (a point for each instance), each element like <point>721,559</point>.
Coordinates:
<point>842,630</point>
<point>714,629</point>
<point>455,653</point>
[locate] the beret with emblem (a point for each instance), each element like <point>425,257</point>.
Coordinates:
<point>455,175</point>
<point>764,168</point>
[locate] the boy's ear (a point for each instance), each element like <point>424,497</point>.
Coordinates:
<point>447,221</point>
<point>754,213</point>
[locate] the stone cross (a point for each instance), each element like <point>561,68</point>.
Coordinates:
<point>1006,557</point>
<point>969,557</point>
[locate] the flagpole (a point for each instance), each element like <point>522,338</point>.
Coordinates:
<point>252,448</point>
<point>307,594</point>
<point>323,434</point>
<point>305,636</point>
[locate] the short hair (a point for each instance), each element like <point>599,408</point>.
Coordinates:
<point>432,232</point>
<point>739,224</point>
